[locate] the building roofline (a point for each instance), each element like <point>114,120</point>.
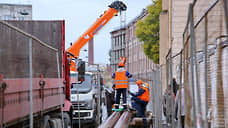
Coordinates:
<point>143,13</point>
<point>30,5</point>
<point>118,29</point>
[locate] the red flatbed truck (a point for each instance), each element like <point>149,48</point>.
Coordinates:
<point>50,79</point>
<point>46,79</point>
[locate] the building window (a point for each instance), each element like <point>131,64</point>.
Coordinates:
<point>6,17</point>
<point>21,18</point>
<point>119,41</point>
<point>118,55</point>
<point>113,42</point>
<point>116,41</point>
<point>124,38</point>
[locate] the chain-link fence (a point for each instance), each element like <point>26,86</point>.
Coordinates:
<point>153,78</point>
<point>31,71</point>
<point>201,66</point>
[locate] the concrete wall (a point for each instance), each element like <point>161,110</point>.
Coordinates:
<point>164,35</point>
<point>172,23</point>
<point>180,13</point>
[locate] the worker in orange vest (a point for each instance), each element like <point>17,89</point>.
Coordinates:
<point>121,84</point>
<point>141,99</point>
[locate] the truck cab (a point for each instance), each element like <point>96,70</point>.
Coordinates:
<point>82,97</point>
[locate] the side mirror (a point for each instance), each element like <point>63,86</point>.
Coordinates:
<point>72,86</point>
<point>81,70</point>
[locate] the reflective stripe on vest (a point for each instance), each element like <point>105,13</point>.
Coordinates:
<point>121,80</point>
<point>145,96</point>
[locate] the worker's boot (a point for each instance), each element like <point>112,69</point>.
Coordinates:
<point>116,106</point>
<point>144,123</point>
<point>132,110</point>
<point>125,107</point>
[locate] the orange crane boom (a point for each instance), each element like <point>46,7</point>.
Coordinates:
<point>113,10</point>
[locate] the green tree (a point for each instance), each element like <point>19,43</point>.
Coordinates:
<point>148,31</point>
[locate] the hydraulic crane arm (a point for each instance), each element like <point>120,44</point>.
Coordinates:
<point>114,8</point>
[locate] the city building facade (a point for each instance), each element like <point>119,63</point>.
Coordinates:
<point>15,12</point>
<point>118,42</point>
<point>138,64</point>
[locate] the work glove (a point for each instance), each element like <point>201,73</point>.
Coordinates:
<point>113,85</point>
<point>130,93</point>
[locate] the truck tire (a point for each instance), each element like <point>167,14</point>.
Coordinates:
<point>59,122</point>
<point>56,123</point>
<point>67,121</point>
<point>46,122</point>
<point>53,123</point>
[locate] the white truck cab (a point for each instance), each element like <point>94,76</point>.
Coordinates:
<point>82,98</point>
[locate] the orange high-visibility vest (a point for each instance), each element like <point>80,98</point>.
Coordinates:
<point>145,96</point>
<point>121,80</point>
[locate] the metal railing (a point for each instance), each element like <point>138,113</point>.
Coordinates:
<point>153,78</point>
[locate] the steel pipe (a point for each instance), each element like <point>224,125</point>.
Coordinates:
<point>138,122</point>
<point>111,121</point>
<point>124,120</point>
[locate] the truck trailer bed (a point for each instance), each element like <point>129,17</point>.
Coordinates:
<point>14,67</point>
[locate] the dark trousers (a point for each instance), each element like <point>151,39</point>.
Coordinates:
<point>122,91</point>
<point>182,121</point>
<point>140,107</point>
<point>169,119</point>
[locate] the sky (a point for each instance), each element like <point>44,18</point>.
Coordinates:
<point>79,15</point>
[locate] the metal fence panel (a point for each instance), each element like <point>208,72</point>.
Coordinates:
<point>203,64</point>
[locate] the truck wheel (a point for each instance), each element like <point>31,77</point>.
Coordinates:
<point>56,123</point>
<point>67,121</point>
<point>59,122</point>
<point>45,123</point>
<point>53,123</point>
<point>48,125</point>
